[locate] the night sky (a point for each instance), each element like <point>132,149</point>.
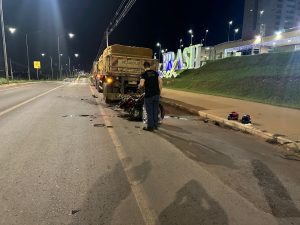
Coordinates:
<point>148,22</point>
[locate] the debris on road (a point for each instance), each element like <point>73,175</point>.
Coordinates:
<point>75,211</point>
<point>99,125</point>
<point>233,116</point>
<point>246,119</point>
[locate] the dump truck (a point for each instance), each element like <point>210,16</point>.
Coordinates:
<point>117,71</point>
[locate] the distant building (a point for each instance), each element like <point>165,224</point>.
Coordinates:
<point>264,17</point>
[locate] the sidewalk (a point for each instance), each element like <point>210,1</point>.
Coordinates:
<point>273,119</point>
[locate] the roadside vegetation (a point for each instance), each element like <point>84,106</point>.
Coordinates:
<point>268,78</point>
<point>4,81</point>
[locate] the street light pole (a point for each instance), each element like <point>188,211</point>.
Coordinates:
<point>159,45</point>
<point>206,32</point>
<point>235,33</point>
<point>11,70</point>
<point>51,62</point>
<point>27,50</point>
<point>70,66</point>
<point>229,26</point>
<point>58,51</point>
<point>261,29</point>
<point>4,41</point>
<point>192,35</point>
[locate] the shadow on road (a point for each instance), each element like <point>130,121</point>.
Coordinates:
<point>278,198</point>
<point>197,151</point>
<point>193,206</point>
<point>107,194</point>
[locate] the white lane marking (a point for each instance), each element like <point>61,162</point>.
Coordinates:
<point>148,214</point>
<point>28,101</point>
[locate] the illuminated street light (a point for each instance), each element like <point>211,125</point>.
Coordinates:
<point>61,55</point>
<point>43,54</point>
<point>76,55</point>
<point>229,26</point>
<point>180,43</point>
<point>12,30</point>
<point>236,31</point>
<point>71,35</point>
<point>205,38</point>
<point>160,51</point>
<point>192,35</point>
<point>261,12</point>
<point>278,33</point>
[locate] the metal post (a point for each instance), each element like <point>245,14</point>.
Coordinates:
<point>4,41</point>
<point>229,32</point>
<point>11,70</point>
<point>28,65</point>
<point>37,74</point>
<point>70,66</point>
<point>51,62</point>
<point>159,53</point>
<point>58,50</point>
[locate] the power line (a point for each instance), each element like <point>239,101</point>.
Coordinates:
<point>119,15</point>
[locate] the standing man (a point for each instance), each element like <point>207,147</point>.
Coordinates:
<point>152,82</point>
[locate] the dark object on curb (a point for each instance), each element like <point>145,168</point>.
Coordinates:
<point>206,121</point>
<point>233,116</point>
<point>94,96</point>
<point>246,119</point>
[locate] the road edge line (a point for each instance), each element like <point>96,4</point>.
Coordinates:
<point>148,214</point>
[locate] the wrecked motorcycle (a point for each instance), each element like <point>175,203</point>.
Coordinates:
<point>134,106</point>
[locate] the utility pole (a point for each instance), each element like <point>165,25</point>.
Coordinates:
<point>4,41</point>
<point>107,38</point>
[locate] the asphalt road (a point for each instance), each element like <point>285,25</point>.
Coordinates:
<point>66,158</point>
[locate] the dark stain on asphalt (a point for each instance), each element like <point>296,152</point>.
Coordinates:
<point>193,206</point>
<point>175,128</point>
<point>199,152</point>
<point>141,172</point>
<point>277,196</point>
<point>105,196</point>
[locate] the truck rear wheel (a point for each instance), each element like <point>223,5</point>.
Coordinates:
<point>106,90</point>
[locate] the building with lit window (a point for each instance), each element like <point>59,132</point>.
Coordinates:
<point>265,17</point>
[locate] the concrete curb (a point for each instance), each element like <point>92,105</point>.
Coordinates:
<point>236,125</point>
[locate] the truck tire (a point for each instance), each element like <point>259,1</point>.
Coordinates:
<point>106,90</point>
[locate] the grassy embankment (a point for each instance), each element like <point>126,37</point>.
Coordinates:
<point>269,78</point>
<point>4,81</point>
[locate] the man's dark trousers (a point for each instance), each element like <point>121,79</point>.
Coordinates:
<point>152,105</point>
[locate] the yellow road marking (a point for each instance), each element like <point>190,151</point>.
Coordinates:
<point>148,214</point>
<point>27,101</point>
